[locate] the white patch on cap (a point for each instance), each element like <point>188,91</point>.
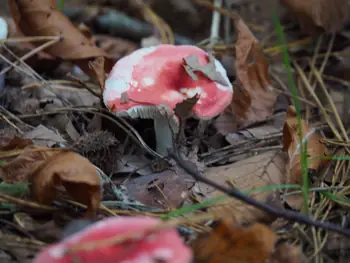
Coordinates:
<point>164,254</point>
<point>143,258</point>
<point>114,89</point>
<point>172,95</point>
<point>148,81</point>
<point>134,83</point>
<point>219,67</point>
<point>57,252</point>
<point>3,28</point>
<point>99,225</point>
<point>121,76</point>
<point>192,92</point>
<point>183,90</point>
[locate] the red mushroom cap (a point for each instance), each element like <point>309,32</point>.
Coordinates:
<point>164,245</point>
<point>156,75</point>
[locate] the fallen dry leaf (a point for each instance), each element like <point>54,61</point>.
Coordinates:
<point>72,171</point>
<point>253,100</point>
<point>287,253</point>
<point>184,109</point>
<point>235,244</point>
<point>19,169</point>
<point>30,16</point>
<point>291,142</point>
<point>167,189</point>
<point>15,143</point>
<point>254,172</point>
<point>48,169</point>
<point>98,68</point>
<point>316,15</point>
<point>191,65</point>
<point>115,47</point>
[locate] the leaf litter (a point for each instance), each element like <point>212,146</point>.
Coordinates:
<point>64,157</point>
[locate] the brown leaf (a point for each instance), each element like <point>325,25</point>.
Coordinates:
<point>20,168</point>
<point>113,46</point>
<point>47,169</point>
<point>253,101</point>
<point>41,18</point>
<point>316,15</point>
<point>167,189</point>
<point>254,172</point>
<point>235,244</point>
<point>287,253</point>
<point>14,143</point>
<point>291,142</point>
<point>98,67</point>
<point>184,109</point>
<point>72,171</point>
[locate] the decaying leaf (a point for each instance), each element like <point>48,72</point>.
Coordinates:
<point>48,169</point>
<point>235,244</point>
<point>115,47</point>
<point>209,70</point>
<point>253,100</point>
<point>98,68</point>
<point>184,109</point>
<point>30,16</point>
<point>291,144</point>
<point>287,253</point>
<point>43,136</point>
<point>254,172</point>
<point>19,169</point>
<point>167,189</point>
<point>8,144</point>
<point>72,171</point>
<point>316,15</point>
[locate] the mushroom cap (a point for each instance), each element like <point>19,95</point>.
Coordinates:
<point>164,245</point>
<point>156,76</point>
<point>3,28</point>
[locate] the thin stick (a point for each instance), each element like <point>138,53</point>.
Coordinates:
<point>31,53</point>
<point>191,168</point>
<point>28,39</point>
<point>21,202</point>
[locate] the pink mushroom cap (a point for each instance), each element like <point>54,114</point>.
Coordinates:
<point>161,246</point>
<point>155,75</point>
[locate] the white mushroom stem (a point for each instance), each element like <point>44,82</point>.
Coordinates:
<point>164,135</point>
<point>215,22</point>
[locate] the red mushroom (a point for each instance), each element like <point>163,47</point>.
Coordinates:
<point>149,83</point>
<point>161,246</point>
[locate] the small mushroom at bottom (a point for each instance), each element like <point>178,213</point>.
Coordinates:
<point>164,245</point>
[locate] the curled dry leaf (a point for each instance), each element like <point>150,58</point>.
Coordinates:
<point>19,169</point>
<point>48,169</point>
<point>316,15</point>
<point>253,101</point>
<point>97,66</point>
<point>72,171</point>
<point>30,16</point>
<point>249,174</point>
<point>291,143</point>
<point>287,253</point>
<point>235,244</point>
<point>115,47</point>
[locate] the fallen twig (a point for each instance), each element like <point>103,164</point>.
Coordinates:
<point>191,168</point>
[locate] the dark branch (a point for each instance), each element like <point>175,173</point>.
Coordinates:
<point>278,212</point>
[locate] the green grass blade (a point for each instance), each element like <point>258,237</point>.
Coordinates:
<point>208,203</point>
<point>303,148</point>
